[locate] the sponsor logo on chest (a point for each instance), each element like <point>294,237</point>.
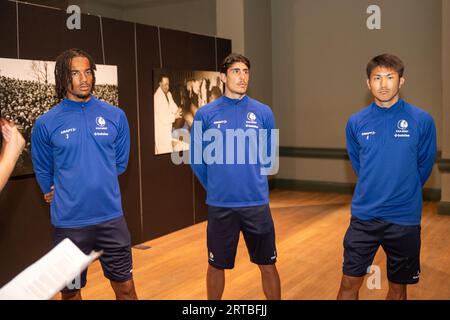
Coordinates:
<point>367,134</point>
<point>251,121</point>
<point>101,128</point>
<point>218,123</point>
<point>402,130</point>
<point>67,132</point>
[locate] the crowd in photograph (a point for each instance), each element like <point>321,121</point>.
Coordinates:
<point>23,101</point>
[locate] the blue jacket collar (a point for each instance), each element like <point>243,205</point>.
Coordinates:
<point>393,109</point>
<point>78,104</point>
<point>235,101</point>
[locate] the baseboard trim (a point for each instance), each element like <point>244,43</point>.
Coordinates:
<point>341,154</point>
<point>443,208</point>
<point>429,194</point>
<point>444,165</point>
<point>314,186</point>
<point>317,153</point>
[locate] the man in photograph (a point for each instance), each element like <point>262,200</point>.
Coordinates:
<point>237,193</point>
<point>392,148</point>
<point>166,113</point>
<point>79,148</point>
<point>216,93</point>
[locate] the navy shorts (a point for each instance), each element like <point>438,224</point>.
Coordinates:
<point>401,243</point>
<point>223,231</point>
<point>113,238</point>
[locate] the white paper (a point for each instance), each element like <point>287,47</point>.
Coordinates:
<point>50,274</point>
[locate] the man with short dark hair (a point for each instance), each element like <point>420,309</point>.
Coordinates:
<point>237,192</point>
<point>392,147</point>
<point>79,148</point>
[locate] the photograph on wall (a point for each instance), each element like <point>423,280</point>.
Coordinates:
<point>27,90</point>
<point>177,95</point>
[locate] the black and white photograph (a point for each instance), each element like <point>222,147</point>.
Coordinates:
<point>27,90</point>
<point>178,94</point>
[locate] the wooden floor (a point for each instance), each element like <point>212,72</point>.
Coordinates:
<point>309,228</point>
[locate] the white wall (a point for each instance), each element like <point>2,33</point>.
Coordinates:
<point>320,51</point>
<point>196,16</point>
<point>230,22</point>
<point>258,48</point>
<point>319,54</point>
